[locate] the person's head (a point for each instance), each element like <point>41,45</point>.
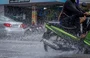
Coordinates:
<point>84,4</point>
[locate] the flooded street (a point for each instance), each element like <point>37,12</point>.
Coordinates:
<point>36,29</point>
<point>30,47</point>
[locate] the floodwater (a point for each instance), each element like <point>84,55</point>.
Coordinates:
<point>31,47</point>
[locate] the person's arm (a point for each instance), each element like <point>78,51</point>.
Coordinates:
<point>87,14</point>
<point>59,17</point>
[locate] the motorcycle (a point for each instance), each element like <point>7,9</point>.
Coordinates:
<point>63,40</point>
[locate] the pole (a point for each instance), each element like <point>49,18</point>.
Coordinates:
<point>34,15</point>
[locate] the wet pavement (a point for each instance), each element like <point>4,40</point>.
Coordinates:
<point>31,47</point>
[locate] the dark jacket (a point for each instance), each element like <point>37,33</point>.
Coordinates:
<point>71,8</point>
<point>71,14</point>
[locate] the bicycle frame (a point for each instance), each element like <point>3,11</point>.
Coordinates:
<point>61,32</point>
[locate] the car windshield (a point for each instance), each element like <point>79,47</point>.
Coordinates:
<point>3,18</point>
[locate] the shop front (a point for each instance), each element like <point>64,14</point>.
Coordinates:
<point>34,11</point>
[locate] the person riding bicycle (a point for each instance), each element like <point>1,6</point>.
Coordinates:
<point>70,17</point>
<point>85,26</point>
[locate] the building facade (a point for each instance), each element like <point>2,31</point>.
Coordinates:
<point>31,11</point>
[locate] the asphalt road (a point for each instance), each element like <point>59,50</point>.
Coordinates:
<point>31,47</point>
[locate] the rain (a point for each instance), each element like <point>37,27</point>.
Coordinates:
<point>22,26</point>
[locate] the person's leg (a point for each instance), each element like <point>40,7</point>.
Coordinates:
<point>84,25</point>
<point>88,27</point>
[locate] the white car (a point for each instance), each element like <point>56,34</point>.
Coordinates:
<point>9,27</point>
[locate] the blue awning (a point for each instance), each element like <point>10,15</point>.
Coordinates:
<point>61,0</point>
<point>4,1</point>
<point>37,1</point>
<point>31,1</point>
<point>47,1</point>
